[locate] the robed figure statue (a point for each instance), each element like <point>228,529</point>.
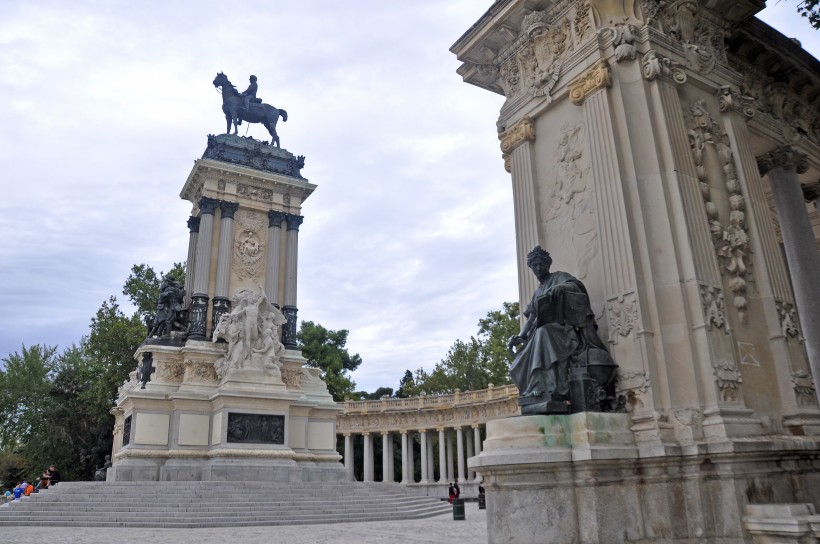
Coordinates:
<point>562,365</point>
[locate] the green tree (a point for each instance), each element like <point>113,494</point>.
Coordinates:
<point>407,386</point>
<point>142,288</point>
<point>325,349</point>
<point>476,363</point>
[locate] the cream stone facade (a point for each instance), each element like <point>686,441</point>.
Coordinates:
<point>666,154</point>
<point>456,421</point>
<point>208,413</point>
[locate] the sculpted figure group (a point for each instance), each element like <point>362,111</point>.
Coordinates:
<point>251,330</point>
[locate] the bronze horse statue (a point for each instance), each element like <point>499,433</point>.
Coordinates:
<point>256,112</point>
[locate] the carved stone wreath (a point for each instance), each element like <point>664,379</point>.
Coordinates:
<point>248,244</point>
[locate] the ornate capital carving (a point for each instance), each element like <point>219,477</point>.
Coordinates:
<point>228,209</point>
<point>208,205</point>
<point>594,79</point>
<point>786,157</point>
<point>294,221</point>
<point>730,100</point>
<point>275,218</point>
<point>655,66</point>
<point>522,131</point>
<point>623,39</point>
<point>507,166</point>
<point>193,224</point>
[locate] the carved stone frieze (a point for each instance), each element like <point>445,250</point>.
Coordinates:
<point>701,34</point>
<point>248,244</point>
<point>171,371</point>
<point>787,314</point>
<point>200,372</point>
<point>714,307</point>
<point>730,100</point>
<point>727,380</point>
<point>688,416</point>
<point>292,377</point>
<point>251,192</point>
<point>522,131</point>
<point>729,234</point>
<point>622,314</point>
<point>804,390</point>
<point>594,79</point>
<point>582,23</point>
<point>655,66</point>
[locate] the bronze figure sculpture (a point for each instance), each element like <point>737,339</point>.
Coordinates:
<point>562,366</point>
<point>245,106</point>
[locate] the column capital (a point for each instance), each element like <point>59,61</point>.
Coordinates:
<point>228,208</point>
<point>654,66</point>
<point>384,433</point>
<point>476,425</point>
<point>422,431</point>
<point>441,429</point>
<point>193,224</point>
<point>347,434</point>
<point>597,77</point>
<point>522,131</point>
<point>731,100</point>
<point>365,433</point>
<point>786,157</point>
<point>275,218</point>
<point>294,221</point>
<point>404,431</point>
<point>207,205</point>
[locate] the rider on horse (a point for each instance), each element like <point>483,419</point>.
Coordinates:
<point>249,94</point>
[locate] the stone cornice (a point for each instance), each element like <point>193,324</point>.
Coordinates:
<point>597,77</point>
<point>786,157</point>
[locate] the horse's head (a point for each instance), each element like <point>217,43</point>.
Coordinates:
<point>221,80</point>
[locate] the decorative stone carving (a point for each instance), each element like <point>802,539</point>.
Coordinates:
<point>688,416</point>
<point>701,35</point>
<point>804,390</point>
<point>171,371</point>
<point>208,205</point>
<point>730,100</point>
<point>253,154</point>
<point>582,23</point>
<point>522,131</point>
<point>252,333</point>
<point>633,384</point>
<point>248,246</point>
<point>200,372</point>
<point>294,221</point>
<point>259,194</point>
<point>622,39</point>
<point>275,218</point>
<point>595,78</point>
<point>193,224</point>
<point>714,308</point>
<point>786,157</point>
<point>732,241</point>
<point>727,379</point>
<point>623,316</point>
<point>199,312</point>
<point>655,66</point>
<point>787,314</point>
<point>292,377</point>
<point>228,209</point>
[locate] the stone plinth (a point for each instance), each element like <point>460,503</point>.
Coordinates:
<point>188,424</point>
<point>582,478</point>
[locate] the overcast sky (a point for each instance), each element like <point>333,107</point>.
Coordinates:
<point>408,240</point>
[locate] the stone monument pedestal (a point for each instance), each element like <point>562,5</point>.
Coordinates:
<point>582,478</point>
<point>190,425</point>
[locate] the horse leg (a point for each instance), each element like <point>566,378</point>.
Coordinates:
<point>228,119</point>
<point>270,124</point>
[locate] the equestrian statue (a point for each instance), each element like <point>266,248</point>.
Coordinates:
<point>245,106</point>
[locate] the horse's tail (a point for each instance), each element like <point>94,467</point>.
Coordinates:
<point>284,115</point>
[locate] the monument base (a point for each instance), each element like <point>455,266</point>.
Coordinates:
<point>581,478</point>
<point>188,424</point>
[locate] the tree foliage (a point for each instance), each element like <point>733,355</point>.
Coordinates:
<point>142,288</point>
<point>810,9</point>
<point>475,364</point>
<point>325,349</point>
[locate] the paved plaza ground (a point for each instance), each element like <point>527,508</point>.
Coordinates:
<point>439,529</point>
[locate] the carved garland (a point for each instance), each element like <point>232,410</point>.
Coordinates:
<point>623,316</point>
<point>732,242</point>
<point>714,308</point>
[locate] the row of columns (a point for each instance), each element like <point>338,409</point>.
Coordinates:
<point>471,445</point>
<point>197,277</point>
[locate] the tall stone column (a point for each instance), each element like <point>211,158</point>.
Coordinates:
<point>460,452</point>
<point>450,472</point>
<point>193,229</point>
<point>469,444</point>
<point>411,461</point>
<point>477,438</point>
<point>442,457</point>
<point>349,457</point>
<point>405,474</point>
<point>431,459</point>
<point>222,302</point>
<point>385,456</point>
<point>199,297</point>
<point>272,266</point>
<point>367,472</point>
<point>391,469</point>
<point>425,477</point>
<point>292,255</point>
<point>517,148</point>
<point>782,166</point>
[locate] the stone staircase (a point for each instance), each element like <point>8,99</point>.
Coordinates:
<point>216,504</point>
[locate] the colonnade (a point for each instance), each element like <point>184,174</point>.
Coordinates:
<point>449,464</point>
